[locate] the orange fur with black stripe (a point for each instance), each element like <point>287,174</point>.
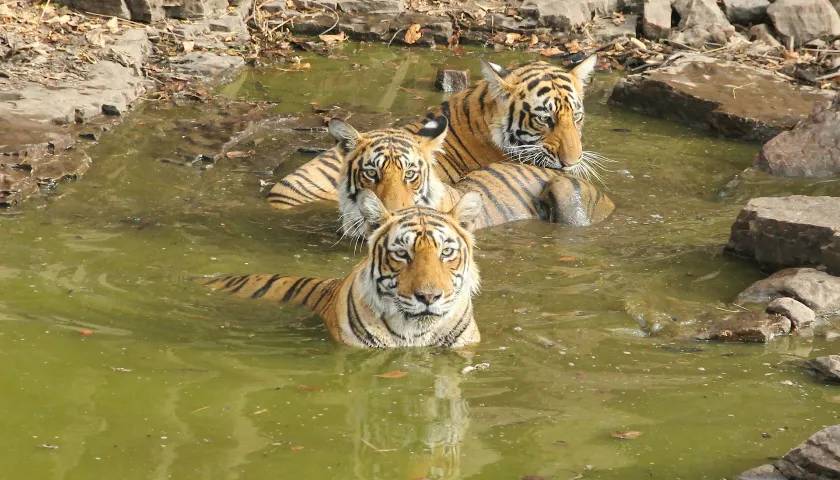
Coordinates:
<point>532,114</point>
<point>414,288</point>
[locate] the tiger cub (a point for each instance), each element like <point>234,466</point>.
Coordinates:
<point>413,289</point>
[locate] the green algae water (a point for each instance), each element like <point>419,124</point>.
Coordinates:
<point>116,364</point>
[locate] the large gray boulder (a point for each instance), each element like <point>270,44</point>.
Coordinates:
<point>701,21</point>
<point>811,149</point>
<point>817,458</point>
<point>746,12</point>
<point>566,14</point>
<point>656,19</point>
<point>804,20</point>
<point>827,367</point>
<point>789,231</point>
<point>152,10</point>
<point>818,290</point>
<point>730,98</point>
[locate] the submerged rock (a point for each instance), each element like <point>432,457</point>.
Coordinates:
<point>735,100</point>
<point>818,458</point>
<point>789,231</point>
<point>827,367</point>
<point>748,327</point>
<point>817,290</point>
<point>452,80</point>
<point>811,149</point>
<point>804,20</point>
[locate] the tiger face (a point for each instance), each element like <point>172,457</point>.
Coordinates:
<point>421,266</point>
<point>395,164</point>
<point>539,113</point>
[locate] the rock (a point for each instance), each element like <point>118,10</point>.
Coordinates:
<point>452,80</point>
<point>761,33</point>
<point>799,314</point>
<point>818,290</point>
<point>701,21</point>
<point>112,8</point>
<point>804,20</point>
<point>605,31</point>
<point>149,11</point>
<point>746,12</point>
<point>817,458</point>
<point>748,327</point>
<point>733,99</point>
<point>131,49</point>
<point>656,19</point>
<point>764,472</point>
<point>811,149</point>
<point>232,24</point>
<point>211,67</point>
<point>789,231</point>
<point>566,14</point>
<point>827,367</point>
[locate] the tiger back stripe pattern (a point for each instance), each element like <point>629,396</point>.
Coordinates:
<point>311,182</point>
<point>520,192</point>
<point>316,294</point>
<point>532,114</point>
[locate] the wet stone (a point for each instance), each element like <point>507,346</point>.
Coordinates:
<point>797,312</point>
<point>789,231</point>
<point>452,80</point>
<point>811,149</point>
<point>748,327</point>
<point>733,99</point>
<point>817,290</point>
<point>827,367</point>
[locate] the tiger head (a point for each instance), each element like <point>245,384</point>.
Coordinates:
<point>539,112</point>
<point>395,164</point>
<point>421,268</point>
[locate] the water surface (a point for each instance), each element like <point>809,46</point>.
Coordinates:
<point>583,329</point>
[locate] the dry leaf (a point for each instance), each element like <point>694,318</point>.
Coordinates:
<point>566,258</point>
<point>393,374</point>
<point>534,40</point>
<point>236,154</point>
<point>95,38</point>
<point>5,11</point>
<point>296,448</point>
<point>573,46</point>
<point>112,25</point>
<point>412,34</point>
<point>333,39</point>
<point>550,52</point>
<point>511,38</point>
<point>188,45</point>
<point>626,435</point>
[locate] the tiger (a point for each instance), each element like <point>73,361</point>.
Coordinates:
<point>398,166</point>
<point>413,289</point>
<point>532,114</point>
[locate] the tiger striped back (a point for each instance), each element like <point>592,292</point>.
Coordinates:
<point>532,114</point>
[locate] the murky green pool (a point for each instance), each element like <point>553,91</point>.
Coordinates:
<point>176,383</point>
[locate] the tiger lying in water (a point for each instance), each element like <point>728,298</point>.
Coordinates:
<point>399,167</point>
<point>414,288</point>
<point>532,114</point>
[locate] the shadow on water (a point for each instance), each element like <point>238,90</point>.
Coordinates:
<point>582,328</point>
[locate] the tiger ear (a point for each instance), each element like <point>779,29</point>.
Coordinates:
<point>467,209</point>
<point>344,133</point>
<point>372,209</point>
<point>495,75</point>
<point>584,69</point>
<point>433,133</point>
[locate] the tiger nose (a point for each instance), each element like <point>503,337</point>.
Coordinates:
<point>428,296</point>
